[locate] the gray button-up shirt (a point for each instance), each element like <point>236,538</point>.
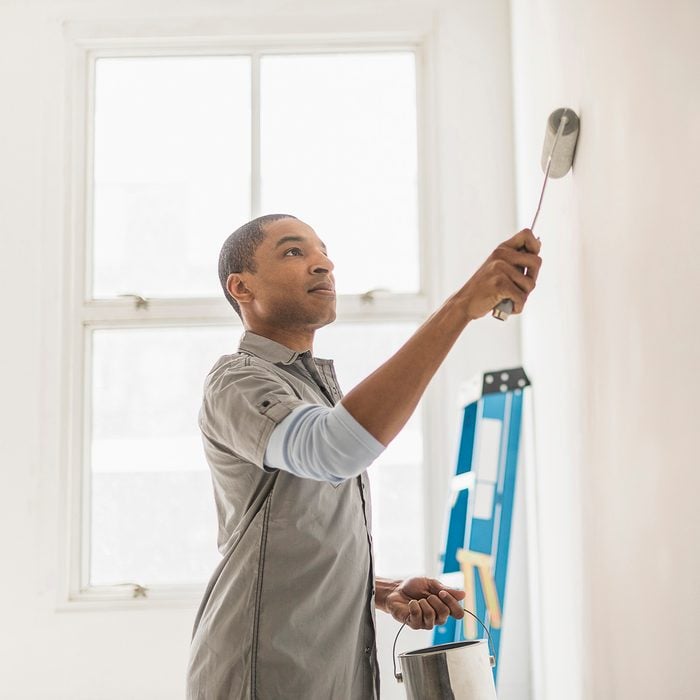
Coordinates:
<point>289,611</point>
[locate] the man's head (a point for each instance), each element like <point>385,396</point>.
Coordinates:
<point>268,269</point>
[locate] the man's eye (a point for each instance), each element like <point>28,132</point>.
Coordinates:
<point>293,250</point>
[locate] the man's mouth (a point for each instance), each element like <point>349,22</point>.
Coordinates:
<point>325,289</point>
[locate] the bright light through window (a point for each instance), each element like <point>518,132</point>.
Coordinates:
<point>172,171</point>
<point>153,516</point>
<point>338,150</point>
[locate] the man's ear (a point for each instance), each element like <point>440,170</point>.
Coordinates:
<point>237,288</point>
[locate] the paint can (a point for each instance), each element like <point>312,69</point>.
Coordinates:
<point>455,671</point>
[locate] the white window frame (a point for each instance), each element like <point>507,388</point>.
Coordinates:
<point>83,315</point>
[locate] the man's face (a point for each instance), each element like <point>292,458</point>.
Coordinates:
<point>294,286</point>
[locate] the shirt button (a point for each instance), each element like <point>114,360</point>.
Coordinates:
<point>368,650</point>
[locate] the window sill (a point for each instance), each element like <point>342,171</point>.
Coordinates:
<point>132,597</point>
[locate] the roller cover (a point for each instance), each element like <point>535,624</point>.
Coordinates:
<point>563,155</point>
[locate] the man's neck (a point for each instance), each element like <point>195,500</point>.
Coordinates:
<point>297,340</point>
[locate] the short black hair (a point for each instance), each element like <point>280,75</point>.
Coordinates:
<point>238,251</point>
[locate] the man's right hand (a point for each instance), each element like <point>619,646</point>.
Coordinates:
<point>502,277</point>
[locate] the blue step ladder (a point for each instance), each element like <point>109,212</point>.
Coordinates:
<point>477,536</point>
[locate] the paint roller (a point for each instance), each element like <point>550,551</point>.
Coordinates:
<point>557,157</point>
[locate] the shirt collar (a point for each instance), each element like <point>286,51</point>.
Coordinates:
<point>267,349</point>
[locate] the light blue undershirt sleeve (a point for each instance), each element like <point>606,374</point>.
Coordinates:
<point>321,443</point>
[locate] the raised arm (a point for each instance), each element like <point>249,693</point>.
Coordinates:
<point>385,400</point>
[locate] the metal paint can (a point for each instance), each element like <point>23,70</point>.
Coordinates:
<point>456,671</point>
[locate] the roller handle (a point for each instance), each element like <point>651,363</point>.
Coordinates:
<point>505,307</point>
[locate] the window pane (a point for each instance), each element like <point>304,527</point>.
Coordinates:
<point>153,515</point>
<point>171,171</point>
<point>338,150</point>
<point>396,477</point>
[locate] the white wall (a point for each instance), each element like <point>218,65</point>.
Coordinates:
<point>141,653</point>
<point>611,341</point>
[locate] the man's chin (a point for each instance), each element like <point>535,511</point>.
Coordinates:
<point>328,319</point>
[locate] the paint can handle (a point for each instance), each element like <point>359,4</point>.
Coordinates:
<point>492,658</point>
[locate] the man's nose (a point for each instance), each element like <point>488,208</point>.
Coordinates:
<point>322,263</point>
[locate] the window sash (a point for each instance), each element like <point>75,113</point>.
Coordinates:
<point>255,52</point>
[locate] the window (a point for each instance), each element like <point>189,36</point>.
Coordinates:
<point>181,150</point>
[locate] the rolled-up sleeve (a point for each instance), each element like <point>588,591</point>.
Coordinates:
<point>321,443</point>
<point>242,406</point>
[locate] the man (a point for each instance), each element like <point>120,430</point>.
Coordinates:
<point>289,612</point>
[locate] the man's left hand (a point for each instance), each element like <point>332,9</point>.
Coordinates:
<point>423,602</point>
